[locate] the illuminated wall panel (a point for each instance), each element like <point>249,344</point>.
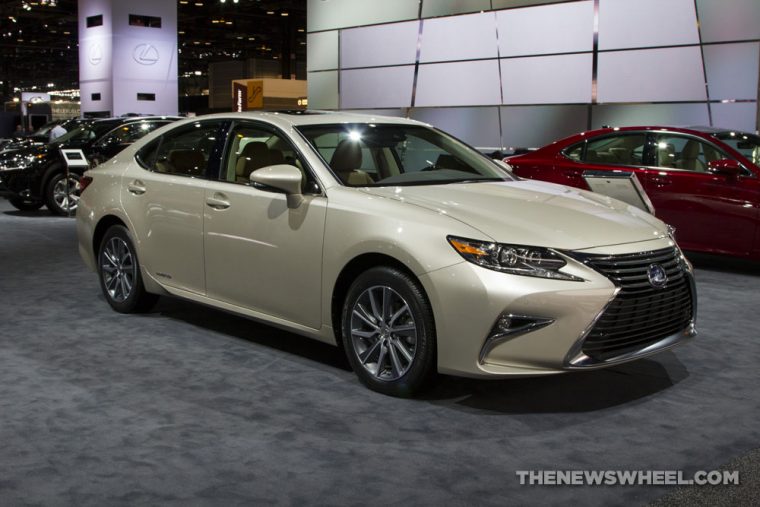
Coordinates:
<point>458,84</point>
<point>473,125</point>
<point>646,23</point>
<point>729,20</point>
<point>531,126</point>
<point>618,115</point>
<point>372,46</point>
<point>322,51</point>
<point>376,88</point>
<point>732,70</point>
<point>322,89</point>
<point>329,15</point>
<point>535,80</point>
<point>459,38</point>
<point>651,75</point>
<point>560,28</point>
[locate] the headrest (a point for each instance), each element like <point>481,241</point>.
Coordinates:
<point>347,156</point>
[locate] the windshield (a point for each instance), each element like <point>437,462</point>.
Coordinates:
<point>84,133</point>
<point>367,154</point>
<point>746,144</point>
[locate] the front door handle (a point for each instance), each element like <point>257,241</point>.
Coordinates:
<point>218,201</point>
<point>137,187</point>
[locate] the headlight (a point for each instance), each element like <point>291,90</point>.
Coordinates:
<point>513,259</point>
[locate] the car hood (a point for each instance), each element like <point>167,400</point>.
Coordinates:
<point>534,213</point>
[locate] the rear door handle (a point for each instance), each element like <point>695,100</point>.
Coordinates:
<point>137,187</point>
<point>218,201</point>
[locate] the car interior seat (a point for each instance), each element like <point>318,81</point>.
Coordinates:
<point>346,161</point>
<point>254,156</point>
<point>190,162</point>
<point>666,155</point>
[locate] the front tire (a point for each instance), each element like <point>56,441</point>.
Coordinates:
<point>22,204</point>
<point>389,332</point>
<point>119,273</point>
<point>59,199</point>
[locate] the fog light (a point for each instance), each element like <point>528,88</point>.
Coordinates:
<point>509,326</point>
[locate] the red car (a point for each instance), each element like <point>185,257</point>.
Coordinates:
<point>703,181</point>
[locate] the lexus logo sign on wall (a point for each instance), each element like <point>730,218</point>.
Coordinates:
<point>145,54</point>
<point>96,54</point>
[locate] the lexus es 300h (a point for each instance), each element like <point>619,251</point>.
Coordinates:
<point>388,237</point>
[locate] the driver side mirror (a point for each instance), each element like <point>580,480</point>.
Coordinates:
<point>283,177</point>
<point>727,167</point>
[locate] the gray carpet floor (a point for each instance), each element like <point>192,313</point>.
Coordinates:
<point>191,406</point>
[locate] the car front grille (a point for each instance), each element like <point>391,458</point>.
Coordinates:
<point>640,314</point>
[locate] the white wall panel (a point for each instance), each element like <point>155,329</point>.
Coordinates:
<point>322,88</point>
<point>547,79</point>
<point>508,4</point>
<point>459,38</point>
<point>376,88</point>
<point>726,20</point>
<point>621,115</point>
<point>670,74</point>
<point>322,51</point>
<point>560,28</point>
<point>535,126</point>
<point>478,126</point>
<point>458,84</point>
<point>394,44</point>
<point>732,70</point>
<point>332,14</point>
<point>432,8</point>
<point>644,23</point>
<point>738,116</point>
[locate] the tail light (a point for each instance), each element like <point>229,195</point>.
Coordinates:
<point>84,182</point>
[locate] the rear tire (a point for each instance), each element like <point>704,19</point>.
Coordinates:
<point>56,197</point>
<point>22,204</point>
<point>389,332</point>
<point>119,273</point>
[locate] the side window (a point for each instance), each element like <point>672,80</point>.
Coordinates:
<point>575,152</point>
<point>683,152</point>
<point>184,151</point>
<point>624,149</point>
<point>252,147</point>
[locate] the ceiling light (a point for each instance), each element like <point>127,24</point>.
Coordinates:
<point>283,14</point>
<point>270,12</point>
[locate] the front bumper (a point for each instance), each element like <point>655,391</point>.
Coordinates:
<point>468,301</point>
<point>14,182</point>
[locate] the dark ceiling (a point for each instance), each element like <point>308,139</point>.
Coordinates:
<point>39,43</point>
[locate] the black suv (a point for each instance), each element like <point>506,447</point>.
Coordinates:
<point>36,175</point>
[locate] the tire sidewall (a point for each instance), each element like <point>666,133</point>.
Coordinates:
<point>50,197</point>
<point>130,304</point>
<point>423,364</point>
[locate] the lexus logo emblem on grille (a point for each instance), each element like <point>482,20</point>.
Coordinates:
<point>145,54</point>
<point>657,276</point>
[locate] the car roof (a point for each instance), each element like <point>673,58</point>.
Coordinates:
<point>289,118</point>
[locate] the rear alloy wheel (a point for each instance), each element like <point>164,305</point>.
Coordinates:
<point>22,204</point>
<point>388,332</point>
<point>119,273</point>
<point>61,200</point>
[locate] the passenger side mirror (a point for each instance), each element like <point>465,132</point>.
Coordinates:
<point>727,167</point>
<point>283,177</point>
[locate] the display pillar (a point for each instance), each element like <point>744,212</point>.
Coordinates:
<point>128,57</point>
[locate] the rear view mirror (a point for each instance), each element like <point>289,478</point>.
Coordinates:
<point>726,167</point>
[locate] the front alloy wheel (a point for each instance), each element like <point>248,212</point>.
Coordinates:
<point>119,270</point>
<point>388,331</point>
<point>62,196</point>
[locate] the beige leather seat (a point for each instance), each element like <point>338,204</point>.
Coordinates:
<point>690,157</point>
<point>346,161</point>
<point>254,156</point>
<point>666,155</point>
<point>190,162</point>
